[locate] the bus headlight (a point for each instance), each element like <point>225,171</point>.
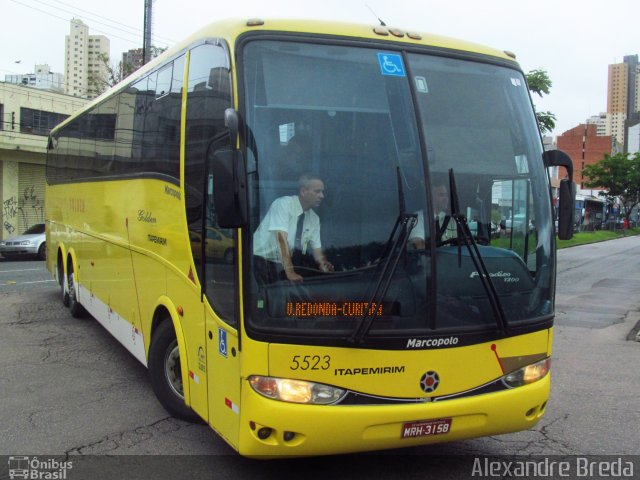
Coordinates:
<point>529,374</point>
<point>296,391</point>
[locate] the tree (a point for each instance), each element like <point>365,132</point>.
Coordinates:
<point>540,83</point>
<point>109,76</point>
<point>113,74</point>
<point>619,177</point>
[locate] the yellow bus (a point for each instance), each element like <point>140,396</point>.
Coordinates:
<point>300,229</point>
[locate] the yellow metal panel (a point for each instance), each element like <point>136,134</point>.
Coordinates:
<point>223,371</point>
<point>186,298</point>
<point>322,430</point>
<point>395,373</point>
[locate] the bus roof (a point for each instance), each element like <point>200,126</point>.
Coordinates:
<point>231,29</point>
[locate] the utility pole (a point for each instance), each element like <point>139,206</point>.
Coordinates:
<point>146,42</point>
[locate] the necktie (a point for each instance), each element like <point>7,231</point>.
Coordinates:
<point>297,243</point>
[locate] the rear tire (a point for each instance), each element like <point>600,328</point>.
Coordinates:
<point>76,309</point>
<point>62,281</point>
<point>165,372</point>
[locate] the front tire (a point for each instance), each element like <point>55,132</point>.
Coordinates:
<point>165,371</point>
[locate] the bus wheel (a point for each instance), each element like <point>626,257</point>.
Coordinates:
<point>62,282</point>
<point>165,372</point>
<point>77,310</point>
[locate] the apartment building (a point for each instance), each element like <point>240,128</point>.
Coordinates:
<point>623,98</point>
<point>85,69</point>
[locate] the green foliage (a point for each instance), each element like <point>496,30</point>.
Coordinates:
<point>583,238</point>
<point>546,121</point>
<point>540,83</point>
<point>619,177</point>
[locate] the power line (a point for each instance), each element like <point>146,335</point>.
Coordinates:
<point>67,20</point>
<point>136,30</point>
<point>92,20</point>
<point>128,40</point>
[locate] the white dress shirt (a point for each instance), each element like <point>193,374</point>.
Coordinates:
<point>282,216</point>
<point>419,232</point>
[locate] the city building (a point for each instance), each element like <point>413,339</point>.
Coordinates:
<point>623,97</point>
<point>133,59</point>
<point>27,114</point>
<point>42,78</point>
<point>602,123</point>
<point>85,67</point>
<point>633,144</point>
<point>585,147</point>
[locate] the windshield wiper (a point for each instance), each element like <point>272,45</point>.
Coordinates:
<point>464,234</point>
<point>394,248</point>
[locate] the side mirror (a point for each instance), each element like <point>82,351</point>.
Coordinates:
<point>229,184</point>
<point>229,187</point>
<point>567,196</point>
<point>567,199</point>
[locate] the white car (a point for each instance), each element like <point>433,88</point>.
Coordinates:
<point>31,242</point>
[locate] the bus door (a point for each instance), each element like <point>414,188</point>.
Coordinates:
<point>221,300</point>
<point>213,248</point>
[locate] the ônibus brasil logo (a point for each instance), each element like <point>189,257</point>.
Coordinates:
<point>35,468</point>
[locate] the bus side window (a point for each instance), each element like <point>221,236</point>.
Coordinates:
<point>214,250</point>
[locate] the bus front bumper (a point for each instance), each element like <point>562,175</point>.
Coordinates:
<point>271,428</point>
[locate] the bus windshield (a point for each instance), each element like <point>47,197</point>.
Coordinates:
<point>350,151</point>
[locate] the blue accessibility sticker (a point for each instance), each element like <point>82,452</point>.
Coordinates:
<point>391,64</point>
<point>222,342</point>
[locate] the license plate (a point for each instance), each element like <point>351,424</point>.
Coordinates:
<point>425,428</point>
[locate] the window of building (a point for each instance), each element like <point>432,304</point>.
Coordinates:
<point>39,122</point>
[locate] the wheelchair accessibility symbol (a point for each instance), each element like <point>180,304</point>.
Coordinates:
<point>222,342</point>
<point>391,64</point>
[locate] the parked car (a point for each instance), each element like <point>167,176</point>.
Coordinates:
<point>219,244</point>
<point>31,242</point>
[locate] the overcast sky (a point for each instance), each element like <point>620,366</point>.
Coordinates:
<point>573,41</point>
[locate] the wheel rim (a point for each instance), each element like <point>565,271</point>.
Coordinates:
<point>172,369</point>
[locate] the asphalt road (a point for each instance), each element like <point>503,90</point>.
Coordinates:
<point>67,388</point>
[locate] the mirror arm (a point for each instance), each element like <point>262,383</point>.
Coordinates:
<point>557,158</point>
<point>232,122</point>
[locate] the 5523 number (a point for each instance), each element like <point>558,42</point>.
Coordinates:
<point>310,362</point>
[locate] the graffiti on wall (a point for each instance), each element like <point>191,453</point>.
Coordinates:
<point>32,207</point>
<point>10,207</point>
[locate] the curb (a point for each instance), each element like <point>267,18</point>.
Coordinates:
<point>634,334</point>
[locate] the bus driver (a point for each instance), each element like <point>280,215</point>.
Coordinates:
<point>289,231</point>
